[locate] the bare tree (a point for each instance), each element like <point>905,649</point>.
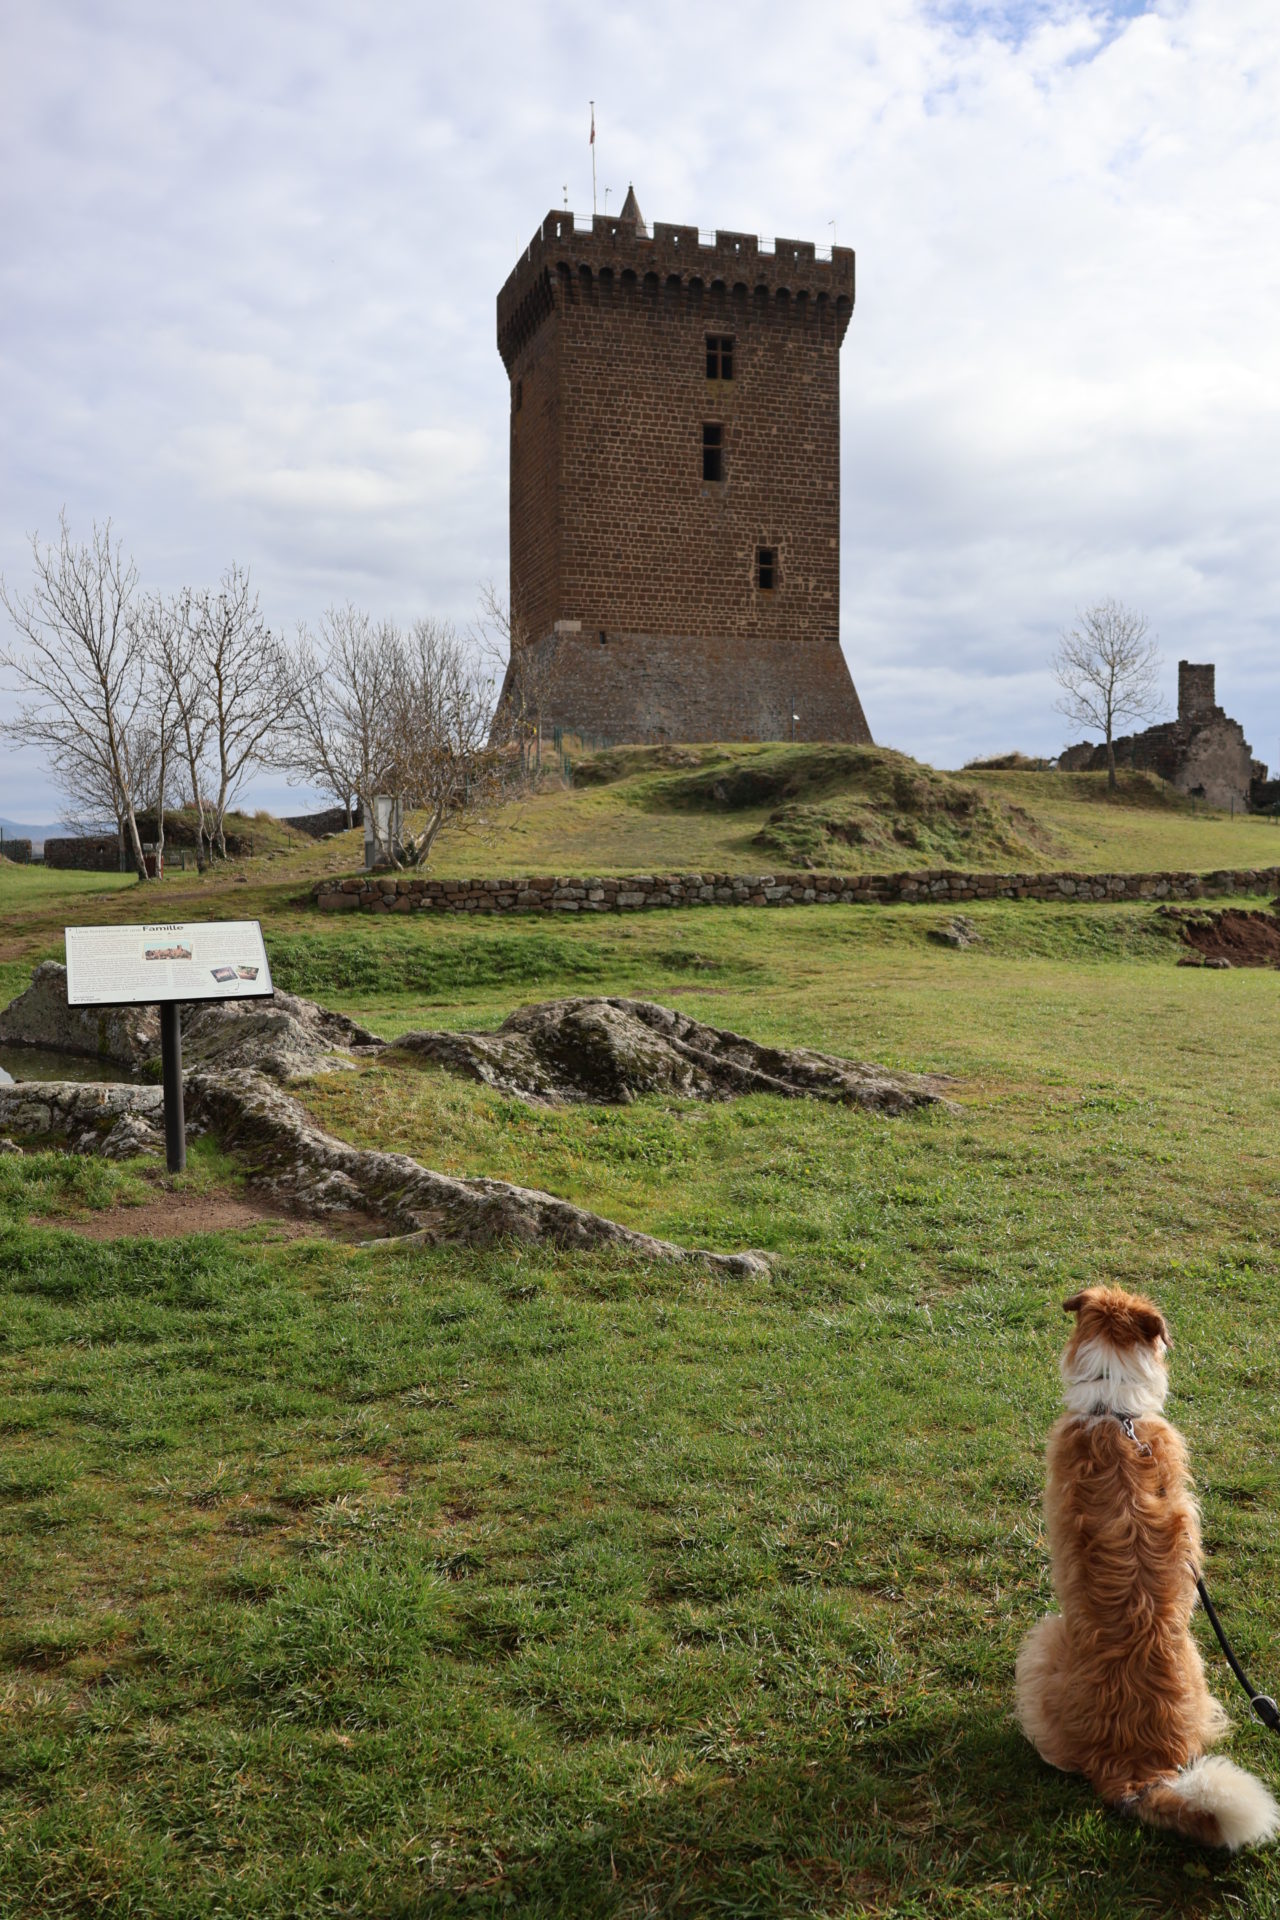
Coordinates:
<point>83,667</point>
<point>158,750</point>
<point>169,629</point>
<point>527,673</point>
<point>245,690</point>
<point>447,768</point>
<point>1107,667</point>
<point>340,732</point>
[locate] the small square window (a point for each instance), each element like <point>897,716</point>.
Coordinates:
<point>719,356</point>
<point>712,452</point>
<point>766,568</point>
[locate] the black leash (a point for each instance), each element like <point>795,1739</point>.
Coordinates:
<point>1262,1703</point>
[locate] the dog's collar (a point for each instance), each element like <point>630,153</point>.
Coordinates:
<point>1101,1412</point>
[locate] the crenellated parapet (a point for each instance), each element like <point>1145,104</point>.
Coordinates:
<point>616,254</point>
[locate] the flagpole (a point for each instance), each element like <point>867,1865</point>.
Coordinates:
<point>593,159</point>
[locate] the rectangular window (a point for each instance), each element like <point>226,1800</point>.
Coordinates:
<point>519,395</point>
<point>766,568</point>
<point>719,356</point>
<point>712,452</point>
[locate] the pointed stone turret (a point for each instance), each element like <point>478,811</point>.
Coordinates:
<point>631,211</point>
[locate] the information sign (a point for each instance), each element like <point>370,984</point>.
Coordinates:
<point>151,965</point>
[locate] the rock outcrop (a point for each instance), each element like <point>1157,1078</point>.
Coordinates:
<point>320,1175</point>
<point>287,1037</point>
<point>118,1121</point>
<point>295,1159</point>
<point>600,1050</point>
<point>40,1017</point>
<point>607,1051</point>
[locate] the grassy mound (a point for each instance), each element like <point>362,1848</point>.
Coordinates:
<point>826,800</point>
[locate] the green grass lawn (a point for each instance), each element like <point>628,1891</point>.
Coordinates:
<point>345,1582</point>
<point>661,817</point>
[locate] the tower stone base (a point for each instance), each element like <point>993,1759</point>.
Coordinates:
<point>638,687</point>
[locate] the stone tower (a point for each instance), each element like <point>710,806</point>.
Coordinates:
<point>675,481</point>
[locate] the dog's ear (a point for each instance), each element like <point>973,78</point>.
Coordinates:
<point>1153,1326</point>
<point>1074,1304</point>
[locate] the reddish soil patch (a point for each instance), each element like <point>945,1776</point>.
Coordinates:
<point>170,1214</point>
<point>1243,939</point>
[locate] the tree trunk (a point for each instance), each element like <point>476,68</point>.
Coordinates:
<point>135,841</point>
<point>1111,763</point>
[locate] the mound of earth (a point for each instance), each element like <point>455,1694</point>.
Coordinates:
<point>1236,935</point>
<point>607,1051</point>
<point>287,1037</point>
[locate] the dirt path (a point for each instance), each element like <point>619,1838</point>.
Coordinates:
<point>169,1214</point>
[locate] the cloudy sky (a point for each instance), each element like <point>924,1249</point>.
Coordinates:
<point>251,253</point>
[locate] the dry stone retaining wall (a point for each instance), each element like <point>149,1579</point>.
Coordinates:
<point>404,893</point>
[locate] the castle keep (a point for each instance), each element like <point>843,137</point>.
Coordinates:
<point>675,482</point>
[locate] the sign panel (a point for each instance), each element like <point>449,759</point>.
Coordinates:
<point>146,966</point>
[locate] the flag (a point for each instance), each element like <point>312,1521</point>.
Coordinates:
<point>591,142</point>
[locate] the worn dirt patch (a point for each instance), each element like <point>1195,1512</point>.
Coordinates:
<point>170,1215</point>
<point>1242,938</point>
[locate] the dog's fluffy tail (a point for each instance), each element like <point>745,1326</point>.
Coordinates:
<point>1211,1801</point>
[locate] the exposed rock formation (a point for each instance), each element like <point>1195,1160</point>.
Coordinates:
<point>302,1163</point>
<point>959,931</point>
<point>92,1116</point>
<point>40,1017</point>
<point>607,1051</point>
<point>287,1037</point>
<point>292,1157</point>
<point>571,1050</point>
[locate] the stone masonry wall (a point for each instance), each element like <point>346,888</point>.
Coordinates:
<point>405,893</point>
<point>87,853</point>
<point>646,573</point>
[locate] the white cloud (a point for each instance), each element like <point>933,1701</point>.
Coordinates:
<point>248,301</point>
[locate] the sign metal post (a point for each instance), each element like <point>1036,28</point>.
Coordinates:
<point>175,1123</point>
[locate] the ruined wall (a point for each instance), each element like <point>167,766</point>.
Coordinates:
<point>1202,753</point>
<point>647,569</point>
<point>1197,699</point>
<point>84,853</point>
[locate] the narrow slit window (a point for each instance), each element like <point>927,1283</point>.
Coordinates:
<point>766,568</point>
<point>719,356</point>
<point>519,395</point>
<point>712,452</point>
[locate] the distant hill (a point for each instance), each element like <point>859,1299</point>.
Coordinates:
<point>20,830</point>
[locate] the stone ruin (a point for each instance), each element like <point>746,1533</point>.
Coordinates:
<point>1202,753</point>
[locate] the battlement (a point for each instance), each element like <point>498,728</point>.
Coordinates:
<point>616,251</point>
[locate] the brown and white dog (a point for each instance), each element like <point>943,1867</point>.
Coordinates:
<point>1113,1686</point>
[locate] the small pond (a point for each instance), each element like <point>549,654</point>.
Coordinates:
<point>42,1063</point>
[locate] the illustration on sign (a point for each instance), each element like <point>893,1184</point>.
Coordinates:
<point>147,966</point>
